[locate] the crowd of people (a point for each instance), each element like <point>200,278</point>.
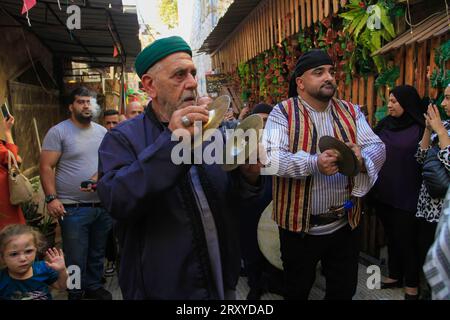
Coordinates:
<point>177,231</point>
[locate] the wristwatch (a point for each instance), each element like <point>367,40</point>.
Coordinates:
<point>50,198</point>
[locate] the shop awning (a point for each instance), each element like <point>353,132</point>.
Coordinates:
<point>103,26</point>
<point>431,27</point>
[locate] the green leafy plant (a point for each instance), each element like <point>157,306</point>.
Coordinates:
<point>30,213</point>
<point>244,76</point>
<point>359,24</point>
<point>35,183</point>
<point>47,226</point>
<point>168,10</point>
<point>386,78</point>
<point>440,77</point>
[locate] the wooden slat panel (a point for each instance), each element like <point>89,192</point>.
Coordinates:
<point>335,6</point>
<point>355,89</point>
<point>432,92</point>
<point>314,11</point>
<point>296,16</point>
<point>270,17</point>
<point>320,4</point>
<point>303,13</point>
<point>361,92</point>
<point>400,61</point>
<point>348,92</point>
<point>287,22</point>
<point>292,14</point>
<point>308,13</point>
<point>369,98</point>
<point>326,8</point>
<point>421,68</point>
<point>282,15</point>
<point>277,4</point>
<point>260,31</point>
<point>409,65</point>
<point>266,31</point>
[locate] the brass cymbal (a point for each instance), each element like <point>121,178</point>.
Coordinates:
<point>217,110</point>
<point>239,145</point>
<point>347,161</point>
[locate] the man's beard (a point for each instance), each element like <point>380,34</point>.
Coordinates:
<point>83,119</point>
<point>170,108</point>
<point>321,95</point>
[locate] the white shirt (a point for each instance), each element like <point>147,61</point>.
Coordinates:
<point>327,191</point>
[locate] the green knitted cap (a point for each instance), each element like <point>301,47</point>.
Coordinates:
<point>158,50</point>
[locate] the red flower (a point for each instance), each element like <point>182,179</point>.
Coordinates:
<point>350,47</point>
<point>330,36</point>
<point>338,49</point>
<point>362,5</point>
<point>330,51</point>
<point>326,22</point>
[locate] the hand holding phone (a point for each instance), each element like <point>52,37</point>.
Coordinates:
<point>88,186</point>
<point>5,111</point>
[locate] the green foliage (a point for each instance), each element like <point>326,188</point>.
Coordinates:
<point>440,77</point>
<point>244,76</point>
<point>361,26</point>
<point>35,183</point>
<point>47,226</point>
<point>388,77</point>
<point>168,9</point>
<point>30,211</point>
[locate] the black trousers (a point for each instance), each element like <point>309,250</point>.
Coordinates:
<point>401,228</point>
<point>338,253</point>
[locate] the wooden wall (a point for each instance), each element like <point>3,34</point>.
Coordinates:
<point>270,23</point>
<point>28,102</point>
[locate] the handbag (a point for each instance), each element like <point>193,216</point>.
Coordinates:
<point>20,189</point>
<point>435,176</point>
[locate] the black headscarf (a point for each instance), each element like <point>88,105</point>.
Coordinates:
<point>409,99</point>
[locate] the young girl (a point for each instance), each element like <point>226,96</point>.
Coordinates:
<point>24,278</point>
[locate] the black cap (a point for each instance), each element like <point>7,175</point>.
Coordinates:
<point>308,60</point>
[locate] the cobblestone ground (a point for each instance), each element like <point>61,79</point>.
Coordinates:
<point>317,293</point>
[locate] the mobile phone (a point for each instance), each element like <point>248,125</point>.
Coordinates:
<point>86,183</point>
<point>5,111</point>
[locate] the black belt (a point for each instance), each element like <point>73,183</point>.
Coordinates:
<point>82,204</point>
<point>326,218</point>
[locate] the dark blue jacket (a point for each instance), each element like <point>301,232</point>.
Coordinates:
<point>163,249</point>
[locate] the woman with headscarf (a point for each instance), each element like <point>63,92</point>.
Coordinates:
<point>9,214</point>
<point>397,189</point>
<point>429,209</point>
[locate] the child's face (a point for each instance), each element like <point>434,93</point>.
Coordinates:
<point>19,254</point>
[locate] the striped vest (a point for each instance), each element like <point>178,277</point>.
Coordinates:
<point>292,197</point>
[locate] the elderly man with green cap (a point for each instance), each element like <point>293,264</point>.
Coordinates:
<point>176,224</point>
